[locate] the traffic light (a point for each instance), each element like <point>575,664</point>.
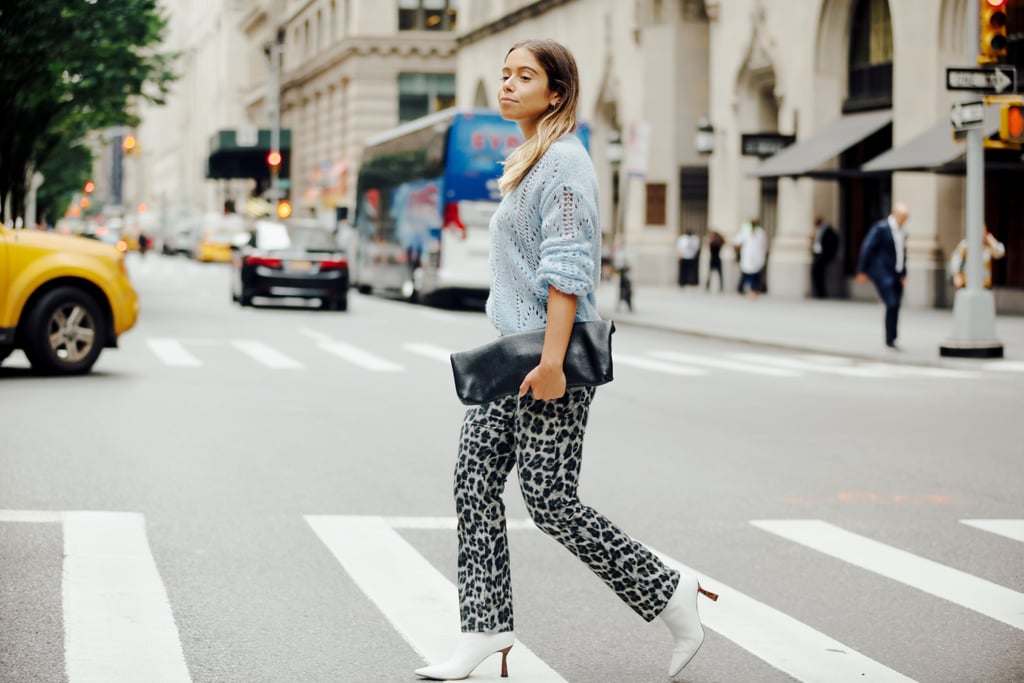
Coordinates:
<point>284,209</point>
<point>1011,123</point>
<point>993,31</point>
<point>274,160</point>
<point>129,144</point>
<point>90,187</point>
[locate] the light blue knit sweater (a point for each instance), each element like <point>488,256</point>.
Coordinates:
<point>546,232</point>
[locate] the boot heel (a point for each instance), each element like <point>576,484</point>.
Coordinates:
<point>708,594</point>
<point>504,662</point>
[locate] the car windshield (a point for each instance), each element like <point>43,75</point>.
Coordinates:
<point>274,236</point>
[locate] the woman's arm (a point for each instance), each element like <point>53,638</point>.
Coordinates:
<point>547,380</point>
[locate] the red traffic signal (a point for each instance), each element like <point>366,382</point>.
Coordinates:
<point>1011,123</point>
<point>274,159</point>
<point>90,187</point>
<point>993,30</point>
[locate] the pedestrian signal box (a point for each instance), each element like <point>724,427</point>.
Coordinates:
<point>1011,123</point>
<point>993,31</point>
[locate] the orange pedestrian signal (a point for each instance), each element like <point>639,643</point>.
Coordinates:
<point>284,209</point>
<point>90,187</point>
<point>274,159</point>
<point>993,31</point>
<point>1011,123</point>
<point>129,143</point>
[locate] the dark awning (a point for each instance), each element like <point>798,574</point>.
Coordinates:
<point>804,156</point>
<point>933,150</point>
<point>229,159</point>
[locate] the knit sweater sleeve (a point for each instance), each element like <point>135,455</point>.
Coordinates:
<point>567,239</point>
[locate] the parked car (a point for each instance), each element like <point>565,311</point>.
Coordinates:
<point>63,299</point>
<point>290,260</point>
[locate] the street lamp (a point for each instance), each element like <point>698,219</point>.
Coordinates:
<point>704,140</point>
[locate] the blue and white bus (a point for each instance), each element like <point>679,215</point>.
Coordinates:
<point>426,193</point>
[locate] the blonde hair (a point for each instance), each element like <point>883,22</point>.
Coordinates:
<point>563,79</point>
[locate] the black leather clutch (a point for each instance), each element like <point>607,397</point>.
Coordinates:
<point>497,368</point>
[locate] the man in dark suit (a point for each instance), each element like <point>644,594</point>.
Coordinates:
<point>823,249</point>
<point>883,260</point>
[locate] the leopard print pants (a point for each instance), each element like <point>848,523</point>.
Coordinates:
<point>544,439</point>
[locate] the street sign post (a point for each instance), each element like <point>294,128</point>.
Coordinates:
<point>764,144</point>
<point>996,79</point>
<point>966,115</point>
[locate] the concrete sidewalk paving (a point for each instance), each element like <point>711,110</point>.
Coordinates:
<point>832,326</point>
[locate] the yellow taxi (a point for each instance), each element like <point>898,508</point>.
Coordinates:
<point>63,299</point>
<point>215,246</point>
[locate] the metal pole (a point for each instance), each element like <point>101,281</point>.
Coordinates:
<point>274,104</point>
<point>974,308</point>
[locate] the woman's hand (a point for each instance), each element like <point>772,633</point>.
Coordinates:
<point>546,383</point>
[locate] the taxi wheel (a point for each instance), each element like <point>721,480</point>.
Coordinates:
<point>65,332</point>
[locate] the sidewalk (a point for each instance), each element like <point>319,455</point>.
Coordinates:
<point>833,326</point>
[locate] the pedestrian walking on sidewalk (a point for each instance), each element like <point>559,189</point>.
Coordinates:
<point>624,267</point>
<point>823,249</point>
<point>752,242</point>
<point>715,244</point>
<point>883,260</point>
<point>545,239</point>
<point>993,250</point>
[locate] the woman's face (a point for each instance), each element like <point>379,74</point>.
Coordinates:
<point>524,95</point>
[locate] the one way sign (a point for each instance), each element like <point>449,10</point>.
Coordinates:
<point>967,115</point>
<point>997,79</point>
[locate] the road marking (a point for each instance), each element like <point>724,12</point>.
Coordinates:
<point>950,584</point>
<point>172,352</point>
<point>33,516</point>
<point>1003,366</point>
<point>657,365</point>
<point>830,368</point>
<point>315,335</point>
<point>118,624</point>
<point>429,350</point>
<point>1010,528</point>
<point>359,357</point>
<point>267,355</point>
<point>694,359</point>
<point>418,600</point>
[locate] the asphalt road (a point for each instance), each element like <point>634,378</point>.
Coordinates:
<point>264,495</point>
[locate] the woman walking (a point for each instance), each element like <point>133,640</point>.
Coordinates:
<point>545,268</point>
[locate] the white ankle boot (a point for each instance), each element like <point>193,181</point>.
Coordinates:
<point>470,651</point>
<point>683,621</point>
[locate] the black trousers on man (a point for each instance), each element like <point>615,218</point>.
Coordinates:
<point>891,293</point>
<point>818,268</point>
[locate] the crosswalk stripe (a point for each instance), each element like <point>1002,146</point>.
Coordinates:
<point>266,354</point>
<point>1010,528</point>
<point>787,644</point>
<point>429,350</point>
<point>359,357</point>
<point>417,599</point>
<point>118,622</point>
<point>34,516</point>
<point>830,369</point>
<point>694,359</point>
<point>950,584</point>
<point>657,365</point>
<point>172,352</point>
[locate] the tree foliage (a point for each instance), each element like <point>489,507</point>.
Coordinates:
<point>68,67</point>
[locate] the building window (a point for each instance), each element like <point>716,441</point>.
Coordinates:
<point>422,94</point>
<point>427,15</point>
<point>870,68</point>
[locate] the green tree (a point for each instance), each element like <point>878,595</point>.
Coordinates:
<point>66,172</point>
<point>68,67</point>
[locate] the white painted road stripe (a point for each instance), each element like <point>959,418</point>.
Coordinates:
<point>950,584</point>
<point>1011,528</point>
<point>657,365</point>
<point>830,369</point>
<point>44,516</point>
<point>315,335</point>
<point>118,624</point>
<point>267,355</point>
<point>172,352</point>
<point>789,645</point>
<point>430,351</point>
<point>417,599</point>
<point>359,357</point>
<point>694,359</point>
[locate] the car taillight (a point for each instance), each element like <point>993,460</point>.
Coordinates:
<point>333,264</point>
<point>452,220</point>
<point>263,261</point>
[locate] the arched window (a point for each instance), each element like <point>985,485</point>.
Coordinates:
<point>870,75</point>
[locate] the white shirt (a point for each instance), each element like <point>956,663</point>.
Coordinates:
<point>754,249</point>
<point>687,246</point>
<point>899,237</point>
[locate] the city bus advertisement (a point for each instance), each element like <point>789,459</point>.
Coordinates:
<point>416,209</point>
<point>477,148</point>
